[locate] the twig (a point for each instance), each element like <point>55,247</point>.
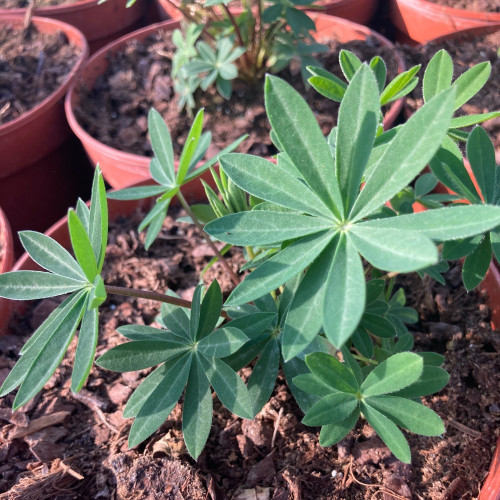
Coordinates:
<point>89,401</point>
<point>464,428</point>
<point>39,424</point>
<point>276,425</point>
<point>380,488</point>
<point>147,294</point>
<point>28,16</point>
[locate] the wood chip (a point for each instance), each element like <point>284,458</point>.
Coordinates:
<point>38,424</point>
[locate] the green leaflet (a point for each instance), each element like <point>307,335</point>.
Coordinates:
<point>82,246</point>
<point>50,255</point>
<point>49,356</point>
<point>98,219</point>
<point>280,268</point>
<point>209,313</point>
<point>469,83</point>
<point>388,432</point>
<point>331,371</point>
<point>345,293</point>
<point>263,378</point>
<point>393,249</point>
<point>476,264</point>
<point>176,320</point>
<point>432,380</point>
<point>272,183</point>
<point>406,155</point>
<point>349,63</point>
<point>357,124</point>
<point>438,74</point>
<point>162,148</point>
<point>146,387</point>
<point>39,340</point>
<point>143,332</point>
<point>407,414</point>
<point>140,354</point>
<point>28,285</point>
<point>264,228</point>
<point>304,321</point>
<point>331,409</point>
<point>229,387</point>
<point>481,155</point>
<point>222,342</point>
<point>448,223</point>
<point>297,130</point>
<point>157,407</point>
<point>85,350</point>
<point>190,147</point>
<point>197,410</point>
<point>395,373</point>
<point>332,433</point>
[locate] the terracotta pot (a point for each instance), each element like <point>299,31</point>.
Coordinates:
<point>421,20</point>
<point>358,11</point>
<point>491,488</point>
<point>120,168</point>
<point>100,24</point>
<point>40,163</point>
<point>6,259</point>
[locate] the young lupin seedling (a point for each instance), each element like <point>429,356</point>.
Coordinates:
<point>323,249</point>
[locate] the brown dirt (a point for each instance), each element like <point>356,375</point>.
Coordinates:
<point>83,454</point>
<point>138,78</point>
<point>465,54</point>
<point>31,68</point>
<point>21,4</point>
<point>474,5</point>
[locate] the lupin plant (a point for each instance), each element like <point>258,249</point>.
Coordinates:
<point>323,245</point>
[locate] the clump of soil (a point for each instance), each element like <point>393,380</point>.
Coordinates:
<point>22,4</point>
<point>32,66</point>
<point>81,452</point>
<point>474,5</point>
<point>115,110</point>
<point>465,54</point>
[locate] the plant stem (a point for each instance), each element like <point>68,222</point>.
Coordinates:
<point>359,357</point>
<point>146,294</point>
<point>231,18</point>
<point>187,208</point>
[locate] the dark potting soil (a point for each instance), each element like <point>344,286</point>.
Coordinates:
<point>115,110</point>
<point>474,5</point>
<point>32,66</point>
<point>21,4</point>
<point>80,450</point>
<point>465,54</point>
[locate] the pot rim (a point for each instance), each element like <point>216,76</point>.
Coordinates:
<point>445,10</point>
<point>75,36</point>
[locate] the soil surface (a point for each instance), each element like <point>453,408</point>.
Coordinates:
<point>80,450</point>
<point>474,5</point>
<point>138,78</point>
<point>465,54</point>
<point>32,66</point>
<point>21,4</point>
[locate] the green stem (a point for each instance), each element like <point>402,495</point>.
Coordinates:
<point>359,357</point>
<point>147,294</point>
<point>187,208</point>
<point>250,252</point>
